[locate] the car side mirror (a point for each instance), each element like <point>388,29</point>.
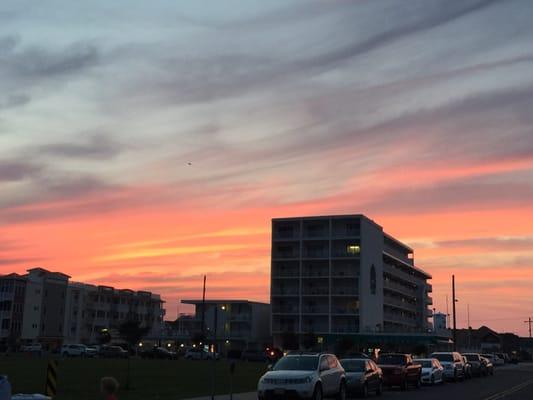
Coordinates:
<point>269,367</point>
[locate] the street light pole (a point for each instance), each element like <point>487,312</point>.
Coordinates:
<point>214,353</point>
<point>454,300</point>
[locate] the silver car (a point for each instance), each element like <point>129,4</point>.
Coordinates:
<point>454,367</point>
<point>304,376</point>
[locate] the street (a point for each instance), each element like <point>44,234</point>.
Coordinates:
<point>510,382</point>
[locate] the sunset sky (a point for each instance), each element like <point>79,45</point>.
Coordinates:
<point>143,144</point>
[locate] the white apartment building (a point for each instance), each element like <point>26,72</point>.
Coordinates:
<point>340,275</point>
<point>91,308</point>
<point>43,306</point>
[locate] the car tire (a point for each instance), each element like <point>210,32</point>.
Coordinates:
<point>432,380</point>
<point>342,391</point>
<point>418,382</point>
<point>379,390</point>
<point>317,393</point>
<point>364,391</point>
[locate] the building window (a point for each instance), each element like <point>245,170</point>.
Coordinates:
<point>5,323</point>
<point>353,249</point>
<point>373,280</point>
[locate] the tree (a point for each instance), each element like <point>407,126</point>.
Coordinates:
<point>289,341</point>
<point>309,340</point>
<point>104,336</point>
<point>132,332</point>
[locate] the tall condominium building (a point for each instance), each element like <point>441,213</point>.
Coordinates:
<point>338,275</point>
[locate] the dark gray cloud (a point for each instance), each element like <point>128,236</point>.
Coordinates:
<point>17,170</point>
<point>14,100</point>
<point>17,261</point>
<point>459,195</point>
<point>95,146</point>
<point>490,243</point>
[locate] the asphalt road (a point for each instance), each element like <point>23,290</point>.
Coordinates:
<point>510,382</point>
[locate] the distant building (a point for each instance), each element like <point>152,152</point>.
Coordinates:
<point>43,306</point>
<point>90,309</point>
<point>241,324</point>
<point>439,322</point>
<point>12,294</point>
<point>343,275</point>
<point>482,340</point>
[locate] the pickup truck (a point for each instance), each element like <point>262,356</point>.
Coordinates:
<point>399,370</point>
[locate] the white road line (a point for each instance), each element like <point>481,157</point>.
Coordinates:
<point>507,392</point>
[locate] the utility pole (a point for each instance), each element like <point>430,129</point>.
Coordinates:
<point>203,309</point>
<point>447,314</point>
<point>529,322</point>
<point>454,300</point>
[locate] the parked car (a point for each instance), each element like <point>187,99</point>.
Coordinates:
<point>159,353</point>
<point>91,351</point>
<point>498,360</point>
<point>467,367</point>
<point>432,370</point>
<point>113,352</point>
<point>363,376</point>
<point>478,368</point>
<point>308,376</point>
<point>254,355</point>
<point>489,366</point>
<point>196,353</point>
<point>453,365</point>
<point>73,350</point>
<point>32,348</point>
<point>504,357</point>
<point>399,370</point>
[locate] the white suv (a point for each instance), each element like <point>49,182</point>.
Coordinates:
<point>454,366</point>
<point>307,376</point>
<point>73,350</point>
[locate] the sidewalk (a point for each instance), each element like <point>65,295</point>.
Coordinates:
<point>236,396</point>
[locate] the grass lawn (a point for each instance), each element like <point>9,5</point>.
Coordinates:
<point>149,379</point>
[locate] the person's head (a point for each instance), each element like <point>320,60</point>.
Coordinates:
<point>109,386</point>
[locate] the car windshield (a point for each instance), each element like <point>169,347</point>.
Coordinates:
<point>472,357</point>
<point>391,359</point>
<point>297,363</point>
<point>423,363</point>
<point>353,365</point>
<point>444,357</point>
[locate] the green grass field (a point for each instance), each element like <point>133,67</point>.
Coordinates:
<point>149,379</point>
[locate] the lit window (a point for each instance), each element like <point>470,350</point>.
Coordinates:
<point>353,249</point>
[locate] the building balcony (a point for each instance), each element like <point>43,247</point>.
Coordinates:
<point>400,304</point>
<point>315,291</point>
<point>398,288</point>
<point>399,319</point>
<point>344,291</point>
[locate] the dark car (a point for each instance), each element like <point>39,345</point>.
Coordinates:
<point>489,366</point>
<point>477,366</point>
<point>113,352</point>
<point>254,355</point>
<point>363,376</point>
<point>399,370</point>
<point>159,353</point>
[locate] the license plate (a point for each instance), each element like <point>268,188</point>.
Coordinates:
<point>279,392</point>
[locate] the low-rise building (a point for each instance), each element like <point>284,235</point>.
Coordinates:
<point>12,294</point>
<point>90,309</point>
<point>241,324</point>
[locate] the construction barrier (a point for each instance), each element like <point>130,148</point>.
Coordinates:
<point>51,379</point>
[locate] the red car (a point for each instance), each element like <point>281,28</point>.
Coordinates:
<point>399,370</point>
